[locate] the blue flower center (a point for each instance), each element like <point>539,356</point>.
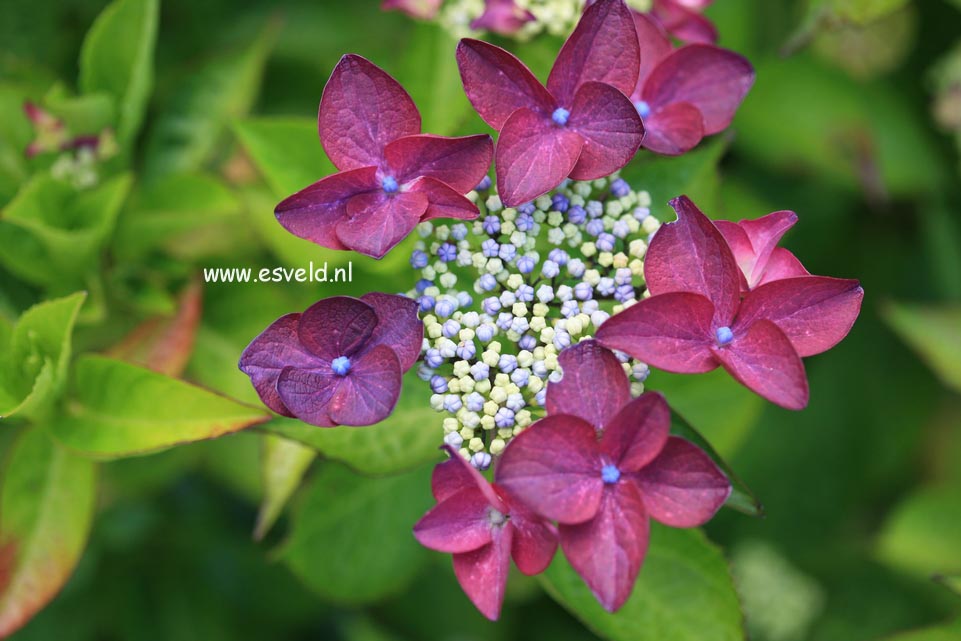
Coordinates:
<point>495,517</point>
<point>610,474</point>
<point>560,116</point>
<point>724,335</point>
<point>340,365</point>
<point>389,184</point>
<point>643,109</point>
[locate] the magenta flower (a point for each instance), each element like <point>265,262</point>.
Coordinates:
<point>483,525</point>
<point>754,243</point>
<point>685,94</point>
<point>696,319</point>
<point>581,125</point>
<point>338,363</point>
<point>391,176</point>
<point>503,17</point>
<point>420,9</point>
<point>683,20</point>
<point>602,465</point>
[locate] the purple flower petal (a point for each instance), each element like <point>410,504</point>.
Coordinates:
<point>456,473</point>
<point>314,212</point>
<point>603,48</point>
<point>533,156</point>
<point>608,550</point>
<point>673,129</point>
<point>682,487</point>
<point>814,312</point>
<point>553,467</point>
<point>459,523</point>
<point>377,221</point>
<point>684,22</point>
<point>482,574</point>
<point>362,109</point>
<point>336,326</point>
<point>503,17</point>
<point>398,326</point>
<point>594,386</point>
<point>691,255</point>
<point>670,331</point>
<point>458,162</point>
<point>753,241</point>
<point>611,129</point>
<point>307,393</point>
<point>655,45</point>
<point>782,264</point>
<point>712,79</point>
<point>368,394</point>
<point>420,9</point>
<point>442,201</point>
<point>274,349</point>
<point>535,540</point>
<point>638,432</point>
<point>498,84</point>
<point>763,360</point>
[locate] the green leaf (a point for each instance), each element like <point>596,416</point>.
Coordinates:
<point>286,150</point>
<point>282,467</point>
<point>950,581</point>
<point>923,533</point>
<point>684,593</point>
<point>351,540</point>
<point>36,351</point>
<point>117,58</point>
<point>934,333</point>
<point>87,114</point>
<point>117,409</point>
<point>408,438</point>
<point>947,632</point>
<point>46,507</point>
<point>188,132</point>
<point>742,498</point>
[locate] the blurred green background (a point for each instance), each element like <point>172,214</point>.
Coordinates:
<point>854,123</point>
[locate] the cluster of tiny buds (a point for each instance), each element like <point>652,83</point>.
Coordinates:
<point>503,295</point>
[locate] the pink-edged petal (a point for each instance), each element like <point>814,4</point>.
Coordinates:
<point>611,129</point>
<point>482,574</point>
<point>712,79</point>
<point>362,109</point>
<point>459,523</point>
<point>753,241</point>
<point>420,9</point>
<point>377,221</point>
<point>594,386</point>
<point>314,212</point>
<point>691,255</point>
<point>553,467</point>
<point>370,391</point>
<point>307,393</point>
<point>782,264</point>
<point>654,44</point>
<point>673,129</point>
<point>535,540</point>
<point>267,355</point>
<point>456,474</point>
<point>608,550</point>
<point>398,326</point>
<point>498,84</point>
<point>763,360</point>
<point>533,156</point>
<point>685,23</point>
<point>603,48</point>
<point>814,312</point>
<point>740,244</point>
<point>682,487</point>
<point>668,331</point>
<point>503,17</point>
<point>336,326</point>
<point>458,162</point>
<point>638,433</point>
<point>443,201</point>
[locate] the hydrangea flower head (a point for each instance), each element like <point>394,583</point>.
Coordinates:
<point>603,465</point>
<point>391,176</point>
<point>754,243</point>
<point>697,320</point>
<point>483,525</point>
<point>581,125</point>
<point>685,94</point>
<point>338,363</point>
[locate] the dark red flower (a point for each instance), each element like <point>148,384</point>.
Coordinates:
<point>503,17</point>
<point>683,20</point>
<point>581,125</point>
<point>338,363</point>
<point>602,465</point>
<point>685,94</point>
<point>754,244</point>
<point>483,525</point>
<point>391,176</point>
<point>696,319</point>
<point>421,9</point>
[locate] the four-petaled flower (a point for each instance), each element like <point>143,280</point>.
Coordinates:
<point>581,125</point>
<point>338,363</point>
<point>685,94</point>
<point>754,244</point>
<point>602,465</point>
<point>483,525</point>
<point>391,176</point>
<point>697,320</point>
